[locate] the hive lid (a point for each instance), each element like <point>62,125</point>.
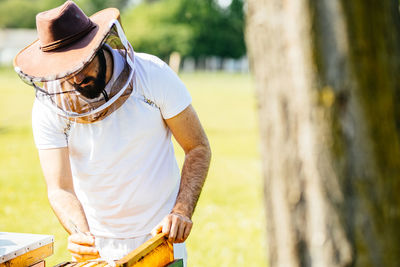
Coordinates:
<point>13,245</point>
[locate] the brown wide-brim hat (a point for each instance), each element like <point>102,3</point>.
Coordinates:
<point>68,40</point>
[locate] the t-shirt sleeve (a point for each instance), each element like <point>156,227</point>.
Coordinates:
<point>48,128</point>
<point>170,94</point>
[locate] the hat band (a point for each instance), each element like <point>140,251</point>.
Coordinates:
<point>68,40</point>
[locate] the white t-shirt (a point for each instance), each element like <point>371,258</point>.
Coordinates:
<point>124,169</point>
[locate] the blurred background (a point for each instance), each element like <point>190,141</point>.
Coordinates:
<point>206,34</point>
<point>204,42</point>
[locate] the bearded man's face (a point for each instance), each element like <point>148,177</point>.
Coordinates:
<point>91,80</point>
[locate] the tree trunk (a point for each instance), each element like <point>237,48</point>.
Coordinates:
<point>328,86</point>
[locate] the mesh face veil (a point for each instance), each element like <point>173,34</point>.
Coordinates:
<point>64,97</point>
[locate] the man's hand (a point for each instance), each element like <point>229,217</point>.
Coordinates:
<point>82,248</point>
<point>177,226</point>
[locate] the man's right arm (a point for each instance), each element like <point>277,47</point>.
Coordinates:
<point>60,191</point>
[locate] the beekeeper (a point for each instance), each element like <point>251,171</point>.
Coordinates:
<point>102,121</point>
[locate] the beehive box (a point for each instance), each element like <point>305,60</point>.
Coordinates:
<point>156,252</point>
<point>17,249</point>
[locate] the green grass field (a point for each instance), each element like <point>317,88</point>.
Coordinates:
<point>229,222</point>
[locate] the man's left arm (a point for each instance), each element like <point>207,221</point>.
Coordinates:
<point>190,135</point>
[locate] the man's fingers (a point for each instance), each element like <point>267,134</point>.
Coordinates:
<point>82,250</point>
<point>157,230</point>
<point>79,257</point>
<point>174,228</point>
<point>188,228</point>
<point>81,239</point>
<point>166,225</point>
<point>184,230</point>
<point>81,247</point>
<point>180,233</point>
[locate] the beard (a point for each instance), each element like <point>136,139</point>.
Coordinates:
<point>92,90</point>
<point>94,86</point>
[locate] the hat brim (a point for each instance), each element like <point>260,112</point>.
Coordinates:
<point>32,61</point>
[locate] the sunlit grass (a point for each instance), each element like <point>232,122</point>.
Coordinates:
<point>229,220</point>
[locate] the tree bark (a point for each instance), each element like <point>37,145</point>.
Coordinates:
<point>328,86</point>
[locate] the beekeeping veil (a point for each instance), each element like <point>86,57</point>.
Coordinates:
<point>68,42</point>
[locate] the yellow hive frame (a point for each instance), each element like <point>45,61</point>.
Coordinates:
<point>156,252</point>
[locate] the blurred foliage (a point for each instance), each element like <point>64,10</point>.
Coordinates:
<point>22,13</point>
<point>217,31</point>
<point>153,28</point>
<point>195,28</point>
<point>92,6</point>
